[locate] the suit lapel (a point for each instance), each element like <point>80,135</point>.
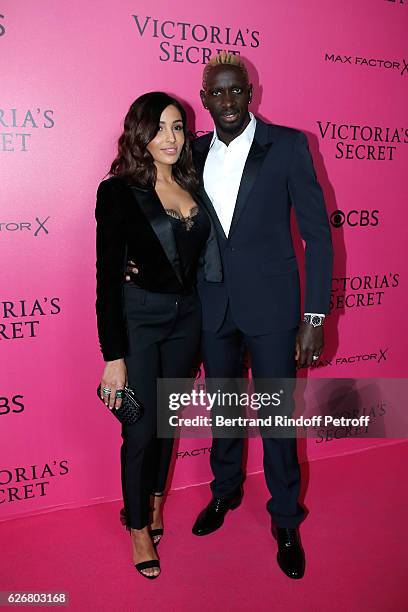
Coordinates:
<point>152,208</point>
<point>256,156</point>
<point>257,153</point>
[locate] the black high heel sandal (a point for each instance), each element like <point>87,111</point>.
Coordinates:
<point>143,564</point>
<point>154,533</point>
<point>147,565</point>
<point>157,533</point>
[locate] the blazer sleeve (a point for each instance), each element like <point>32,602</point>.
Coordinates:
<point>110,269</point>
<point>310,210</point>
<point>210,258</point>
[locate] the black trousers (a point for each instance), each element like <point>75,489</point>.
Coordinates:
<point>163,339</point>
<point>272,356</point>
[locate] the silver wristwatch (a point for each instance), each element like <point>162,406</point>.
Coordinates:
<point>314,319</point>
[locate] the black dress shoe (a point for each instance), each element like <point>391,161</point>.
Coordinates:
<point>212,517</point>
<point>291,557</point>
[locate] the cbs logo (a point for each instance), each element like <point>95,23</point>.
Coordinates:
<point>13,405</point>
<point>354,218</point>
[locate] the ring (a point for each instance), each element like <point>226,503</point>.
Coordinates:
<point>315,357</point>
<point>106,391</point>
<point>119,393</point>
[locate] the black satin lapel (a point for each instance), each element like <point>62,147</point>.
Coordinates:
<point>252,166</point>
<point>153,210</point>
<point>200,152</point>
<point>199,161</point>
<point>205,199</point>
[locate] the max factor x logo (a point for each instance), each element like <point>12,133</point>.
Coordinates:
<point>379,356</point>
<point>400,66</point>
<point>37,228</point>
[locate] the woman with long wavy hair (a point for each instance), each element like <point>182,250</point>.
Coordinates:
<point>148,211</point>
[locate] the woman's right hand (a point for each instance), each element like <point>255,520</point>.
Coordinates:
<point>114,378</point>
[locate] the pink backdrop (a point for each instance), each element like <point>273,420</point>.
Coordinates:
<point>69,72</point>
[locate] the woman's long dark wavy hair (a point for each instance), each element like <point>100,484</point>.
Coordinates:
<point>140,127</point>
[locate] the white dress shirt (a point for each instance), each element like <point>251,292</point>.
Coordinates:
<point>223,172</point>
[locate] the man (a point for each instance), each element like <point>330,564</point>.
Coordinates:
<point>252,173</point>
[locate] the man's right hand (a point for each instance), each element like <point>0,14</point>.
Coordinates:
<point>131,269</point>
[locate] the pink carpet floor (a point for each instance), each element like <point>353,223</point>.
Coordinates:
<point>355,539</point>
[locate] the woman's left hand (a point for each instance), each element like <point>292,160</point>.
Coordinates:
<point>114,378</point>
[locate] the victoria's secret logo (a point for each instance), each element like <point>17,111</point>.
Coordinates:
<point>363,142</point>
<point>21,319</point>
<point>374,410</point>
<point>194,43</point>
<point>18,125</point>
<point>26,482</point>
<point>361,291</point>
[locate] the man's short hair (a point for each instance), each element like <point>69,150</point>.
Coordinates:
<point>226,59</point>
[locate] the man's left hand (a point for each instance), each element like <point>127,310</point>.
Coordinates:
<point>131,269</point>
<point>309,343</point>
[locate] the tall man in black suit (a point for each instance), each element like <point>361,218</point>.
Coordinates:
<point>252,173</point>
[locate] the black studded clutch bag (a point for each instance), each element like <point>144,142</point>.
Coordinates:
<point>130,410</point>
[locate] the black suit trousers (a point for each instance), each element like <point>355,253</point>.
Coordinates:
<point>272,356</point>
<point>163,338</point>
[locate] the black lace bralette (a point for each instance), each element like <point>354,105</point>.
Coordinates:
<point>188,220</point>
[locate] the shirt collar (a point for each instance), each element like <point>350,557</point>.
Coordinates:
<point>247,135</point>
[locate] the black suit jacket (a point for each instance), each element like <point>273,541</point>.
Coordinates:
<point>261,279</point>
<point>132,224</point>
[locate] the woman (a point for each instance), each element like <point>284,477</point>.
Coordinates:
<point>148,211</point>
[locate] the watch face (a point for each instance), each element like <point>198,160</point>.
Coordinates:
<point>316,320</point>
